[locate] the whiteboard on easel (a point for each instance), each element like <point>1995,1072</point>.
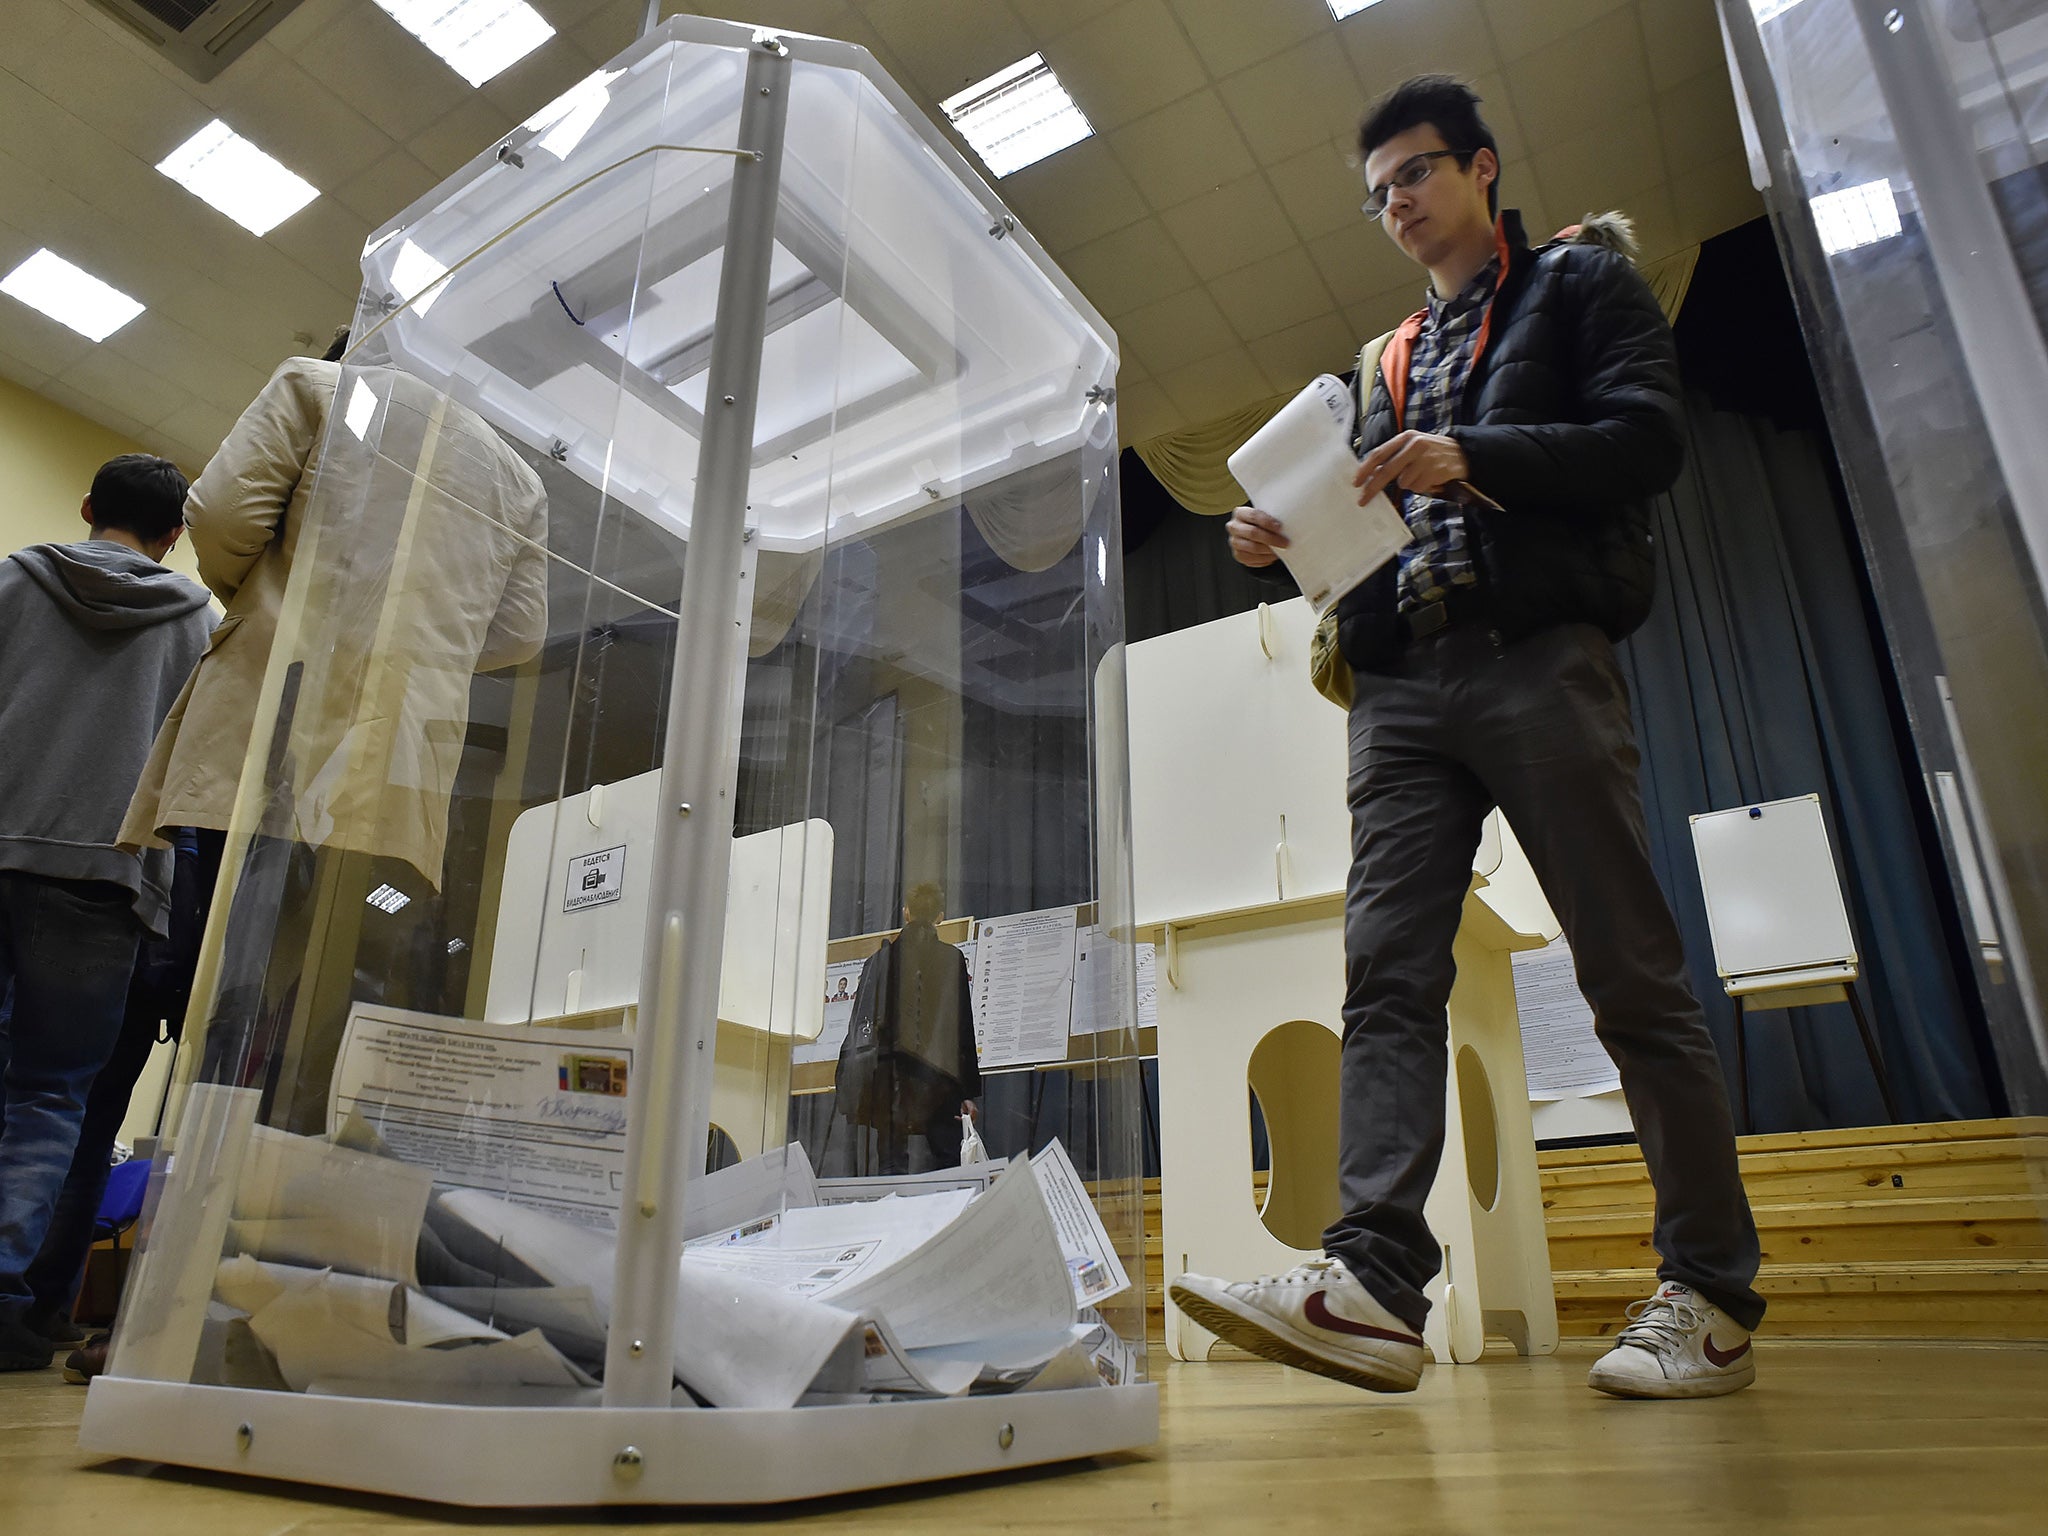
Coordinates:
<point>1774,899</point>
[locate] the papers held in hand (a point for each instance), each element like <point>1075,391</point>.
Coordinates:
<point>1298,467</point>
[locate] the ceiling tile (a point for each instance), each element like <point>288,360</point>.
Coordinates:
<point>539,78</point>
<point>1319,188</point>
<point>607,30</point>
<point>1231,227</point>
<point>1183,150</point>
<point>31,375</point>
<point>199,427</point>
<point>1217,385</point>
<point>1590,80</point>
<point>948,47</point>
<point>461,136</point>
<point>81,403</point>
<point>386,188</point>
<point>30,334</point>
<point>1129,267</point>
<point>1270,295</point>
<point>1130,60</point>
<point>1655,216</point>
<point>562,15</point>
<point>1142,411</point>
<point>1682,38</point>
<point>1075,196</point>
<point>125,385</point>
<point>94,77</point>
<point>1230,34</point>
<point>1497,107</point>
<point>1046,19</point>
<point>1359,261</point>
<point>157,342</point>
<point>1391,41</point>
<point>382,71</point>
<point>1713,198</point>
<point>1697,121</point>
<point>1171,332</point>
<point>1598,171</point>
<point>296,118</point>
<point>308,20</point>
<point>1295,100</point>
<point>1521,27</point>
<point>1292,357</point>
<point>326,238</point>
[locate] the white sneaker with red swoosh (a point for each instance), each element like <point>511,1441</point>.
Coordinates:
<point>1676,1344</point>
<point>1316,1317</point>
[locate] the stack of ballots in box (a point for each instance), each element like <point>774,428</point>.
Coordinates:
<point>348,1271</point>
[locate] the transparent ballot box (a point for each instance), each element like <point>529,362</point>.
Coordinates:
<point>687,785</point>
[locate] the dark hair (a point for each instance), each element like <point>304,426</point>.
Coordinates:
<point>1449,106</point>
<point>926,903</point>
<point>141,494</point>
<point>336,348</point>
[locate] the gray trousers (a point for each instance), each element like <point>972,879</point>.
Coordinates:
<point>1541,728</point>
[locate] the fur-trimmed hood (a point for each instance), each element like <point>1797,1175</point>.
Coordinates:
<point>1613,230</point>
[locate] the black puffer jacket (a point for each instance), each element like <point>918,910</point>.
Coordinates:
<point>1570,420</point>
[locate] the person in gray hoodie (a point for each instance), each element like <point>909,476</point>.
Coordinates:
<point>96,640</point>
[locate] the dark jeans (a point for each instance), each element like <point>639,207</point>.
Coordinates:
<point>1459,724</point>
<point>68,948</point>
<point>158,990</point>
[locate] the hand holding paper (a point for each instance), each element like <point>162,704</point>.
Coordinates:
<point>1299,467</point>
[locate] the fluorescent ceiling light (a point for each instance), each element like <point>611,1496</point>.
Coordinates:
<point>1342,8</point>
<point>70,295</point>
<point>414,274</point>
<point>476,38</point>
<point>219,166</point>
<point>573,113</point>
<point>1017,116</point>
<point>388,898</point>
<point>1856,216</point>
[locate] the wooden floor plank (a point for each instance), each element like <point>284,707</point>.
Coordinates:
<point>1835,1440</point>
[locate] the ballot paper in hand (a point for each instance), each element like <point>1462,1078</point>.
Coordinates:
<point>1298,467</point>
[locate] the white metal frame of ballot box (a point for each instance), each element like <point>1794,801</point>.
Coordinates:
<point>1251,984</point>
<point>637,1447</point>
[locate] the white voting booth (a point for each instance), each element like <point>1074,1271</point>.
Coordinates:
<point>1778,921</point>
<point>1242,842</point>
<point>572,914</point>
<point>716,405</point>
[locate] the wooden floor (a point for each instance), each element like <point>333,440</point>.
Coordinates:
<point>1860,1439</point>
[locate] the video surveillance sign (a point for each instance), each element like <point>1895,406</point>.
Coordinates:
<point>594,879</point>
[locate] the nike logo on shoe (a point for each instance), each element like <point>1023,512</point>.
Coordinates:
<point>1317,1311</point>
<point>1721,1359</point>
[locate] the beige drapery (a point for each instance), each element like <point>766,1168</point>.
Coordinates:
<point>1192,462</point>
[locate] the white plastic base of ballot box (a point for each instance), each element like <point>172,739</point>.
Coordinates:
<point>539,1457</point>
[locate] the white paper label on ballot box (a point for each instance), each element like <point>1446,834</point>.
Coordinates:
<point>594,879</point>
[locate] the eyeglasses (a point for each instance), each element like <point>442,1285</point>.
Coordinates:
<point>1413,172</point>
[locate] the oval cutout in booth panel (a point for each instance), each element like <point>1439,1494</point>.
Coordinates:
<point>1293,1076</point>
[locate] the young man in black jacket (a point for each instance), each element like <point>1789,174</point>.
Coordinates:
<point>1521,422</point>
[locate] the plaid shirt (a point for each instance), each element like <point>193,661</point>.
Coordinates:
<point>1440,558</point>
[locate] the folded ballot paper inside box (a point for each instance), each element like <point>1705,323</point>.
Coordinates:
<point>1299,468</point>
<point>348,1272</point>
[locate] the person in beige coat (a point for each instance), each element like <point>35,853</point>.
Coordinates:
<point>400,544</point>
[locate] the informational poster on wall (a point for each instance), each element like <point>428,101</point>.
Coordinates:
<point>1562,1056</point>
<point>1094,1008</point>
<point>1024,986</point>
<point>534,1116</point>
<point>842,983</point>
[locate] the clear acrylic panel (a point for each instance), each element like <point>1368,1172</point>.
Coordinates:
<point>707,589</point>
<point>1904,145</point>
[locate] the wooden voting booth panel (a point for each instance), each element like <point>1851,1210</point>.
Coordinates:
<point>572,924</point>
<point>1241,845</point>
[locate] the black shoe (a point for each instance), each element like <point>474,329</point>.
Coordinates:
<point>55,1327</point>
<point>22,1348</point>
<point>88,1360</point>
